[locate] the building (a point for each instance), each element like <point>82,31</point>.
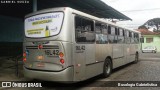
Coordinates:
<point>150,39</point>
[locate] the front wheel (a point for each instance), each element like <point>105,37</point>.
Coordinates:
<point>136,58</point>
<point>107,68</point>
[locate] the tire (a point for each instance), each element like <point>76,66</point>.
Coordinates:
<point>136,58</point>
<point>107,68</point>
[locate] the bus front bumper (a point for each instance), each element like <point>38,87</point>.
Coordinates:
<point>58,76</point>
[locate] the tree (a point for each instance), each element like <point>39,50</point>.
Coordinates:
<point>153,22</point>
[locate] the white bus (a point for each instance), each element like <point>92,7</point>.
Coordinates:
<point>64,44</point>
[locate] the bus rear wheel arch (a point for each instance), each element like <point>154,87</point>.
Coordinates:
<point>107,68</point>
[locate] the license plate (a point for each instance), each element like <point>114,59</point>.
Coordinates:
<point>54,52</point>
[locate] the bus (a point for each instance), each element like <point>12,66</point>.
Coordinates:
<point>64,44</point>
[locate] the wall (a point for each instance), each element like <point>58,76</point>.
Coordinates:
<point>156,41</point>
<point>11,36</point>
<point>11,29</point>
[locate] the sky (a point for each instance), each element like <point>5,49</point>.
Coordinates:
<point>139,11</point>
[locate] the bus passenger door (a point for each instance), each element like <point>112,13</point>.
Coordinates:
<point>79,65</point>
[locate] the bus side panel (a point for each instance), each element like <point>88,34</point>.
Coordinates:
<point>127,53</point>
<point>90,53</point>
<point>93,66</point>
<point>118,55</point>
<point>94,69</point>
<point>79,57</point>
<point>68,53</point>
<point>102,51</point>
<point>85,64</point>
<point>132,52</point>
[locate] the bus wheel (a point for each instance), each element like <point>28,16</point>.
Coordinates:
<point>136,58</point>
<point>107,68</point>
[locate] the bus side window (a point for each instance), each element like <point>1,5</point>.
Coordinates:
<point>109,29</point>
<point>84,30</point>
<point>136,38</point>
<point>127,37</point>
<point>116,35</point>
<point>132,38</point>
<point>105,33</point>
<point>112,34</point>
<point>120,36</point>
<point>101,36</point>
<point>105,29</point>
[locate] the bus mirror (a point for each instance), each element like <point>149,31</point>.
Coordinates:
<point>142,40</point>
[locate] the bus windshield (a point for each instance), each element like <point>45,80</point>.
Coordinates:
<point>43,25</point>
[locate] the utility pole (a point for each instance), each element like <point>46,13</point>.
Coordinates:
<point>34,5</point>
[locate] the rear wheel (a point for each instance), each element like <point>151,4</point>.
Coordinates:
<point>136,58</point>
<point>107,68</point>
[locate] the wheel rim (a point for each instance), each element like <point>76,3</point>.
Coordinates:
<point>108,68</point>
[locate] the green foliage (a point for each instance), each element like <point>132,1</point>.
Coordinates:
<point>153,22</point>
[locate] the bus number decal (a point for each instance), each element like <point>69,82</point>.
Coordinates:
<point>80,49</point>
<point>52,52</point>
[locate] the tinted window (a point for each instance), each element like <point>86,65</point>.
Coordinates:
<point>120,39</point>
<point>136,37</point>
<point>84,30</point>
<point>121,32</point>
<point>104,29</point>
<point>113,30</point>
<point>120,36</point>
<point>109,29</point>
<point>127,36</point>
<point>112,37</point>
<point>101,33</point>
<point>132,37</point>
<point>116,31</point>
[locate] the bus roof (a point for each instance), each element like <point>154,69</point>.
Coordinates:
<point>79,13</point>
